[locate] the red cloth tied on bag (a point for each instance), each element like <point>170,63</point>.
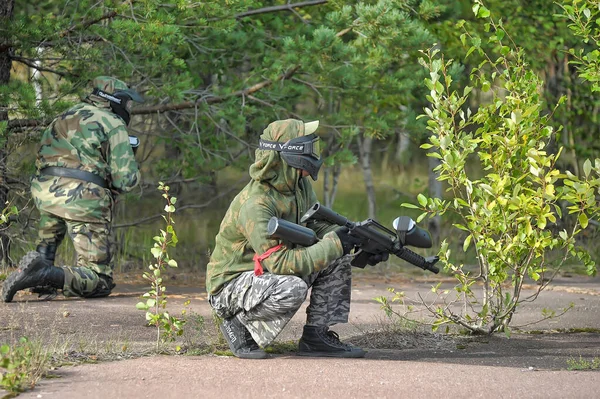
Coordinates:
<point>258,269</point>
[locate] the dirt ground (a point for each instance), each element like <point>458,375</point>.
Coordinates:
<point>107,351</point>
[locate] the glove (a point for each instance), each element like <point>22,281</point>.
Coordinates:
<point>377,258</point>
<point>348,241</point>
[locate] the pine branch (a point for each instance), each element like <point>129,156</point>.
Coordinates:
<point>30,63</point>
<point>285,7</point>
<point>23,123</point>
<point>16,124</point>
<point>211,100</point>
<point>87,24</point>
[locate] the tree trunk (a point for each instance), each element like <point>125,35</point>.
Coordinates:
<point>401,156</point>
<point>568,139</point>
<point>435,191</point>
<point>364,149</point>
<point>6,12</point>
<point>330,174</point>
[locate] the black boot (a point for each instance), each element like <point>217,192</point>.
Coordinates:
<point>33,271</point>
<point>46,292</point>
<point>240,341</point>
<point>47,251</point>
<point>320,342</point>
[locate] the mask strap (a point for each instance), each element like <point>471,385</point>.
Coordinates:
<point>106,96</point>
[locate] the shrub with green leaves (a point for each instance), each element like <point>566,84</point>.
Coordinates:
<point>510,208</point>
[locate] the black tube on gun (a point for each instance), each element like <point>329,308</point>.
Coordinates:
<point>320,212</point>
<point>288,231</point>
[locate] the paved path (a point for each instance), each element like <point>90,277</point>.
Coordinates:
<point>524,366</point>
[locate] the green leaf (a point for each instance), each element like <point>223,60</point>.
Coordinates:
<point>467,242</point>
<point>587,167</point>
<point>422,200</point>
<point>483,12</point>
<point>583,220</point>
<point>408,205</point>
<point>156,252</point>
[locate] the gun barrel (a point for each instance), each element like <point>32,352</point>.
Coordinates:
<point>320,212</point>
<point>288,231</point>
<point>418,260</point>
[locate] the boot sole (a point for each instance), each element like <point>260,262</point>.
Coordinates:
<point>26,263</point>
<point>255,355</point>
<point>333,354</point>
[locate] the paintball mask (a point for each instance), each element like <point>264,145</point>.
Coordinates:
<point>120,101</point>
<point>134,142</point>
<point>301,152</point>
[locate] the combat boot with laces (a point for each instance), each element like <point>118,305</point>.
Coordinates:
<point>240,340</point>
<point>34,270</point>
<point>319,341</point>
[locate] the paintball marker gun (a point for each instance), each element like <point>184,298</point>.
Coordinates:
<point>375,238</point>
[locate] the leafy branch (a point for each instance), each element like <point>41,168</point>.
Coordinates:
<point>167,326</point>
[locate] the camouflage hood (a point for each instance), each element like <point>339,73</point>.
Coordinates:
<point>269,167</point>
<point>107,84</point>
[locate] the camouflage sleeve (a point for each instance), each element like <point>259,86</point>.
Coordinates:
<point>319,227</point>
<point>253,219</point>
<point>124,172</point>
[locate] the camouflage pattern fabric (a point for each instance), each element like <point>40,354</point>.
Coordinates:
<point>265,304</point>
<point>91,138</point>
<point>94,246</point>
<point>276,189</point>
<point>107,84</point>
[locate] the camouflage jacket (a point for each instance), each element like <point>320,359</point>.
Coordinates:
<point>276,189</point>
<point>89,137</point>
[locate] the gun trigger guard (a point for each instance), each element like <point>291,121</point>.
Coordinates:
<point>355,254</point>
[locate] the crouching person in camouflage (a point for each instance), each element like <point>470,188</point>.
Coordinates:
<point>85,158</point>
<point>256,284</point>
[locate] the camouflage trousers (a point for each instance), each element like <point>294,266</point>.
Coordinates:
<point>265,304</point>
<point>94,246</point>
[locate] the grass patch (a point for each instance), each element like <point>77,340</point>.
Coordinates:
<point>22,365</point>
<point>282,347</point>
<point>583,364</point>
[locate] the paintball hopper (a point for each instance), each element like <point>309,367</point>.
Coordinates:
<point>410,234</point>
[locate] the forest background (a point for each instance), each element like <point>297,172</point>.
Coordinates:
<point>215,73</point>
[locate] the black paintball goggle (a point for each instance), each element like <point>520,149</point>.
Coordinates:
<point>120,101</point>
<point>301,152</point>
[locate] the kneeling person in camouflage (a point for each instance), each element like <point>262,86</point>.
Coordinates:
<point>257,284</point>
<point>86,157</point>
